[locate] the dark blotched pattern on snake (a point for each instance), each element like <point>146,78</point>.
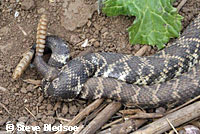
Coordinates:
<point>132,79</point>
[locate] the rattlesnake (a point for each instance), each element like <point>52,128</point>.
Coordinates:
<point>132,79</point>
<point>169,77</point>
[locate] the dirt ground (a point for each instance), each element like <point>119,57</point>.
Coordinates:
<point>18,23</point>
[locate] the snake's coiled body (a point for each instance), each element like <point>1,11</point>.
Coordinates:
<point>170,93</point>
<point>104,69</point>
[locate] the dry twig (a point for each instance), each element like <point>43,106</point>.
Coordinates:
<point>95,112</point>
<point>183,105</point>
<point>112,123</point>
<point>30,113</point>
<point>172,126</point>
<point>130,111</point>
<point>3,106</point>
<point>177,118</point>
<point>142,51</point>
<point>80,128</point>
<point>85,112</point>
<point>25,34</point>
<point>34,82</point>
<point>62,119</point>
<point>82,114</point>
<point>101,118</point>
<point>143,115</point>
<point>125,127</point>
<point>181,5</point>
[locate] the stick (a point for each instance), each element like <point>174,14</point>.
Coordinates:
<point>130,111</point>
<point>177,118</point>
<point>30,113</point>
<point>136,116</point>
<point>85,112</point>
<point>95,113</point>
<point>112,123</point>
<point>3,106</point>
<point>142,51</point>
<point>174,129</point>
<point>124,128</point>
<point>62,119</point>
<point>143,115</point>
<point>101,118</point>
<point>25,34</point>
<point>34,82</point>
<point>82,114</point>
<point>181,5</point>
<point>80,128</point>
<point>183,105</point>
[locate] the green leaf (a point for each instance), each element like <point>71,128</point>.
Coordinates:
<point>156,20</point>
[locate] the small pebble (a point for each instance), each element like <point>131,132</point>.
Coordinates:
<point>41,124</point>
<point>65,109</point>
<point>49,107</point>
<point>28,4</point>
<point>39,116</point>
<point>23,90</point>
<point>6,102</point>
<point>189,129</point>
<point>41,10</point>
<point>85,44</point>
<point>23,119</point>
<point>30,94</point>
<point>89,23</point>
<point>75,39</point>
<point>42,107</point>
<point>52,1</point>
<point>3,31</point>
<point>160,110</point>
<point>137,47</point>
<point>40,99</point>
<point>30,88</point>
<point>103,30</point>
<point>48,120</point>
<point>58,104</point>
<point>25,100</point>
<point>50,113</point>
<point>3,89</point>
<point>34,123</point>
<point>96,44</point>
<point>8,69</point>
<point>96,27</point>
<point>73,110</point>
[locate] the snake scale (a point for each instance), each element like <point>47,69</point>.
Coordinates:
<point>171,76</point>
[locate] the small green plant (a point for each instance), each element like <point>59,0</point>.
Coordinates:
<point>156,20</point>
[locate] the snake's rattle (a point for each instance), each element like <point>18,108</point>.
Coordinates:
<point>27,57</point>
